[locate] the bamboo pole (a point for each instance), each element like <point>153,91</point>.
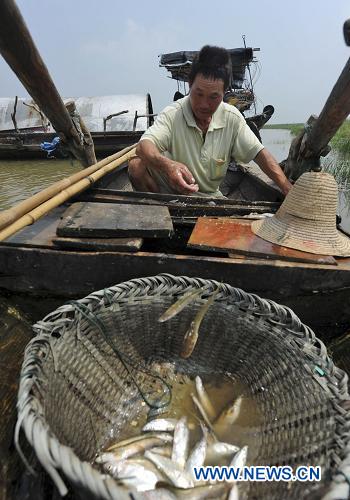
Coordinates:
<point>12,214</point>
<point>64,195</point>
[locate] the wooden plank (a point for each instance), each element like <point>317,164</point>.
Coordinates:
<point>179,199</point>
<point>318,294</point>
<point>43,234</point>
<point>100,244</point>
<point>178,208</point>
<point>105,220</point>
<point>235,234</point>
<point>39,234</point>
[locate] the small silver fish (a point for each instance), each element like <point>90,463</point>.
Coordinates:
<point>239,460</point>
<point>219,450</point>
<point>164,451</point>
<point>202,411</point>
<point>132,449</point>
<point>191,336</point>
<point>160,425</point>
<point>197,456</point>
<point>105,458</point>
<point>178,477</point>
<point>126,442</point>
<point>204,399</point>
<point>140,474</point>
<point>208,434</point>
<point>228,416</point>
<point>159,494</point>
<point>234,493</point>
<point>180,304</point>
<point>214,491</point>
<point>181,443</point>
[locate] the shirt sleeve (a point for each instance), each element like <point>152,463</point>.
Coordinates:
<point>161,131</point>
<point>245,145</point>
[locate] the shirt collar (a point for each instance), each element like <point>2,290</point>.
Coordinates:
<point>217,120</point>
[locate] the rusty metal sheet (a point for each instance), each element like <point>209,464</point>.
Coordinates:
<point>236,235</point>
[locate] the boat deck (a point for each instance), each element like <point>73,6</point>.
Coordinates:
<point>34,262</point>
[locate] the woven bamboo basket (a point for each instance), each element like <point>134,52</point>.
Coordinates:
<point>75,393</point>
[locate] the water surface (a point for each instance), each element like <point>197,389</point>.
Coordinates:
<point>21,179</point>
<point>278,143</point>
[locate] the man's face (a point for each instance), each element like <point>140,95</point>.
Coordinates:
<point>205,96</point>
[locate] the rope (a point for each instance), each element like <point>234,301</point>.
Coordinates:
<point>125,360</point>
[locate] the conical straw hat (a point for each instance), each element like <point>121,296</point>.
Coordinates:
<point>306,220</point>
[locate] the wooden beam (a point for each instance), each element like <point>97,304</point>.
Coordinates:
<point>19,51</point>
<point>333,114</point>
<point>309,145</point>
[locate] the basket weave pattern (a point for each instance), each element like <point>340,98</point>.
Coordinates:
<point>75,393</point>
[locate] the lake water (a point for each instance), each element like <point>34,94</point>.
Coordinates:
<point>21,179</point>
<point>278,143</point>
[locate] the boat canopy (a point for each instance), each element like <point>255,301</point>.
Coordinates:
<point>179,64</point>
<point>93,110</point>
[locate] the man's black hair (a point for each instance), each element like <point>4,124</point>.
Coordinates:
<point>212,62</point>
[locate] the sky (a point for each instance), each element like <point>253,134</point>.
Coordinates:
<point>110,47</point>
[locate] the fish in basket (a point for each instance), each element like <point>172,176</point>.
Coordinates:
<point>138,390</point>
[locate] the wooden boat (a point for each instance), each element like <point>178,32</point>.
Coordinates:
<point>32,264</point>
<point>36,262</point>
<point>114,122</point>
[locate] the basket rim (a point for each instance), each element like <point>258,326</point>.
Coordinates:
<point>53,455</point>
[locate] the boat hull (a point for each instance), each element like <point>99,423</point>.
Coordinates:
<point>32,264</point>
<point>319,295</point>
<point>27,146</point>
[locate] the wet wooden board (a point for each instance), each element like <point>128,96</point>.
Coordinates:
<point>100,244</point>
<point>39,234</point>
<point>107,220</point>
<point>174,199</point>
<point>236,235</point>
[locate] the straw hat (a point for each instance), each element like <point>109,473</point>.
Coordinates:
<point>306,220</point>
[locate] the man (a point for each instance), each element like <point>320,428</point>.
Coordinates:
<point>188,148</point>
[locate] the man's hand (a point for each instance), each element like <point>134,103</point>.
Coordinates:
<point>270,166</point>
<point>177,174</point>
<point>285,187</point>
<point>180,178</point>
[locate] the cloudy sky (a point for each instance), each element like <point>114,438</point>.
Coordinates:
<point>111,47</point>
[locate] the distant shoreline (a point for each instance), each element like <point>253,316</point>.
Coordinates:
<point>340,142</point>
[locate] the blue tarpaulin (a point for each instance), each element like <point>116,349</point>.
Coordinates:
<point>50,147</point>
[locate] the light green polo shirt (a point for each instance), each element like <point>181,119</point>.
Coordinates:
<point>228,137</point>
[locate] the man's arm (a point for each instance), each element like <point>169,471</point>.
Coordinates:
<point>177,174</point>
<point>271,168</point>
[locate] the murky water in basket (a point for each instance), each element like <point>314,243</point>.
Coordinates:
<point>223,391</point>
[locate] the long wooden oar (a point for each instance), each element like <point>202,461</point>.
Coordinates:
<point>19,51</point>
<point>309,145</point>
<point>12,214</point>
<point>62,196</point>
